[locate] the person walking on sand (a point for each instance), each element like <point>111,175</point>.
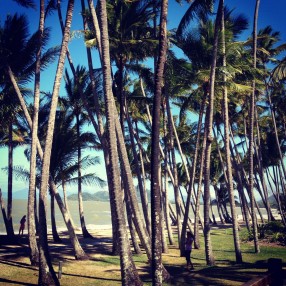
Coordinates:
<point>188,249</point>
<point>22,225</point>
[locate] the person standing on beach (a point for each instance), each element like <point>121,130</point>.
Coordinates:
<point>22,225</point>
<point>188,249</point>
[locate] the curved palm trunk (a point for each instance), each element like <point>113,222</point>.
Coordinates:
<point>85,232</point>
<point>178,201</point>
<point>34,253</point>
<point>165,192</point>
<point>156,218</point>
<point>46,272</point>
<point>251,135</point>
<point>276,132</point>
<point>191,185</point>
<point>129,185</point>
<point>56,236</point>
<point>128,270</point>
<point>199,192</point>
<point>132,229</point>
<point>79,253</point>
<point>235,225</point>
<point>99,127</point>
<point>2,205</point>
<point>261,171</point>
<point>143,194</point>
<point>10,229</point>
<point>239,175</point>
<point>208,247</point>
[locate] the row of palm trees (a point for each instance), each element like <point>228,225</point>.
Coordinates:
<point>236,145</point>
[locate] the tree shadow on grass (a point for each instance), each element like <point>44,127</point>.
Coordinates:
<point>7,281</point>
<point>215,275</point>
<point>17,264</point>
<point>93,277</point>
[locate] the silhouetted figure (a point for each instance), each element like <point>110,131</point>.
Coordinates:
<point>188,249</point>
<point>22,225</point>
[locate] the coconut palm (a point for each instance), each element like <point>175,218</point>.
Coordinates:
<point>128,269</point>
<point>76,104</point>
<point>251,133</point>
<point>46,272</point>
<point>131,39</point>
<point>156,218</point>
<point>34,254</point>
<point>12,136</point>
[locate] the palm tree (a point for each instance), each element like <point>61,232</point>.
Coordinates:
<point>76,104</point>
<point>251,134</point>
<point>131,39</point>
<point>12,136</point>
<point>34,253</point>
<point>46,272</point>
<point>227,150</point>
<point>156,219</point>
<point>24,57</point>
<point>128,270</point>
<point>65,161</point>
<point>209,124</point>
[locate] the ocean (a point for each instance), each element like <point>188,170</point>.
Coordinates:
<point>97,215</point>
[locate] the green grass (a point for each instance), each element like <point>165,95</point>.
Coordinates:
<point>104,269</point>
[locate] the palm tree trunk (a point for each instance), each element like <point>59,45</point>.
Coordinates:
<point>178,201</point>
<point>129,185</point>
<point>85,232</point>
<point>257,150</point>
<point>191,184</point>
<point>156,219</point>
<point>10,229</point>
<point>239,174</point>
<point>98,126</point>
<point>235,225</point>
<point>129,273</point>
<point>251,134</point>
<point>276,132</point>
<point>34,252</point>
<point>46,271</point>
<point>132,229</point>
<point>165,192</point>
<point>53,221</point>
<point>79,253</point>
<point>2,205</point>
<point>208,247</point>
<point>143,194</point>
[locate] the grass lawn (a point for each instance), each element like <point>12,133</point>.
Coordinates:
<point>104,269</point>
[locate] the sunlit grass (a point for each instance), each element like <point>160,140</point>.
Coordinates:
<point>104,268</point>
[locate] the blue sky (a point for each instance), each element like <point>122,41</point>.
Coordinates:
<point>270,13</point>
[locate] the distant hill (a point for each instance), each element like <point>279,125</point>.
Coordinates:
<point>18,195</point>
<point>272,202</point>
<point>98,196</point>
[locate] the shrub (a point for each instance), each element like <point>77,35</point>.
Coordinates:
<point>246,235</point>
<point>279,237</point>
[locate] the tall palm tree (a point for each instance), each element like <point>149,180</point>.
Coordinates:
<point>128,270</point>
<point>46,272</point>
<point>76,104</point>
<point>131,39</point>
<point>156,219</point>
<point>22,61</point>
<point>227,150</point>
<point>34,253</point>
<point>12,136</point>
<point>209,124</point>
<point>251,134</point>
